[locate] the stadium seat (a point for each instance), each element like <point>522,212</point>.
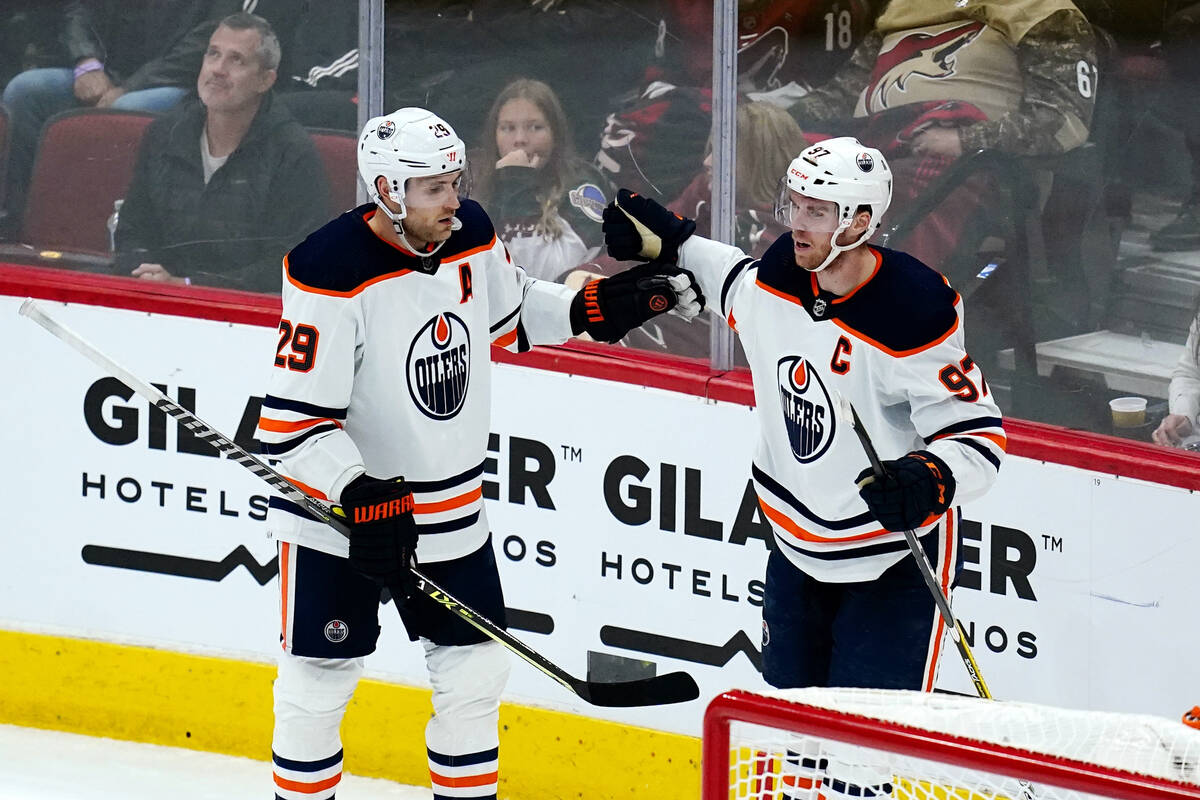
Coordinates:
<point>85,161</point>
<point>338,153</point>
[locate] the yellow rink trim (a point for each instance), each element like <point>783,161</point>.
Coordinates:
<point>224,706</point>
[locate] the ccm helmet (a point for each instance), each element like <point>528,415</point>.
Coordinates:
<point>842,171</point>
<point>408,143</point>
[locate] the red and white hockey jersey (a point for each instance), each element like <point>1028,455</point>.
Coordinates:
<point>384,367</point>
<point>894,348</point>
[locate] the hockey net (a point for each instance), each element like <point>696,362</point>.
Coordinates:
<point>831,744</point>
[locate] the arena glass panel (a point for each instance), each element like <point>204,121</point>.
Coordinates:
<point>155,196</point>
<point>555,121</point>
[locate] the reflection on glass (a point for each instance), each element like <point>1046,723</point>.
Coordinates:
<point>215,191</point>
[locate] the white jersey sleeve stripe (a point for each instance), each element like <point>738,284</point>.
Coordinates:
<point>764,482</point>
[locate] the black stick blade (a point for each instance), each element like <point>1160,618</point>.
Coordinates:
<point>661,690</point>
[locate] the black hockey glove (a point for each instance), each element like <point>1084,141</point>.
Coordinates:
<point>637,227</point>
<point>608,308</point>
<point>912,488</point>
<point>383,535</point>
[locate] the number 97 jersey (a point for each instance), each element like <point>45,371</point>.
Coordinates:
<point>894,348</point>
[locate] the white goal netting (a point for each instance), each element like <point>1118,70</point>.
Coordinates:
<point>916,746</point>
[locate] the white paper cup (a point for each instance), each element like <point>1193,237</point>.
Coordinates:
<point>1128,412</point>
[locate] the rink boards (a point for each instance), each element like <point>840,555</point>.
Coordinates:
<point>136,565</point>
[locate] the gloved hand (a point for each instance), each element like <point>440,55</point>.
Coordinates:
<point>912,488</point>
<point>383,535</point>
<point>608,308</point>
<point>636,226</point>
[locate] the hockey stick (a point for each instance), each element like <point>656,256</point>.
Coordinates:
<point>956,630</point>
<point>674,687</point>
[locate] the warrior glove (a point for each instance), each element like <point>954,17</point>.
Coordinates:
<point>636,226</point>
<point>383,535</point>
<point>608,308</point>
<point>912,489</point>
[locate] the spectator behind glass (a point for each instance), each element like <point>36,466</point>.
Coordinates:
<point>545,202</point>
<point>1183,394</point>
<point>134,55</point>
<point>318,76</point>
<point>940,78</point>
<point>226,183</point>
<point>653,141</point>
<point>767,141</point>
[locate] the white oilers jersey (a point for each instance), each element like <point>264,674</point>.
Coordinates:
<point>383,365</point>
<point>894,348</point>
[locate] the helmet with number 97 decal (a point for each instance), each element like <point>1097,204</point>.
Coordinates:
<point>843,171</point>
<point>408,143</point>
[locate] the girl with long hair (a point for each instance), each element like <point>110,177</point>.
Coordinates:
<point>545,202</point>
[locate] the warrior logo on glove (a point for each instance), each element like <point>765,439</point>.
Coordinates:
<point>609,308</point>
<point>382,511</point>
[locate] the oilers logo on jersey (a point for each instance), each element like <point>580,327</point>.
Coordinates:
<point>807,408</point>
<point>439,366</point>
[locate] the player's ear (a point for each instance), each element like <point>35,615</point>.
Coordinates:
<point>381,186</point>
<point>862,220</point>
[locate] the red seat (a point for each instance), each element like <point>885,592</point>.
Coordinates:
<point>84,162</point>
<point>338,152</point>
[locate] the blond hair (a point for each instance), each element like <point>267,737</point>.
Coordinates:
<point>767,141</point>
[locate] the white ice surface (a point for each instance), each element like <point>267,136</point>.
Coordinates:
<point>50,765</point>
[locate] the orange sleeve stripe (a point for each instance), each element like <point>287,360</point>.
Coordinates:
<point>308,788</point>
<point>465,781</point>
<point>308,490</point>
<point>785,522</point>
<point>504,340</point>
<point>997,439</point>
<point>446,505</point>
<point>279,426</point>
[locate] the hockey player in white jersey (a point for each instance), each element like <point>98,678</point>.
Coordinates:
<point>382,370</point>
<point>824,314</point>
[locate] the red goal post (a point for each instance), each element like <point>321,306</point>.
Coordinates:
<point>789,744</point>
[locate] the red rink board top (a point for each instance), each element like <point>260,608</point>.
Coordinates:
<point>1092,451</point>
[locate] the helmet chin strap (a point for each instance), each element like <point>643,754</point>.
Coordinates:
<point>397,225</point>
<point>836,249</point>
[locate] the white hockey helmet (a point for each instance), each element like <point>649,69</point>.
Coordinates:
<point>408,143</point>
<point>842,171</point>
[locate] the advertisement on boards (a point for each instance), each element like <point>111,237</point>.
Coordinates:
<point>628,537</point>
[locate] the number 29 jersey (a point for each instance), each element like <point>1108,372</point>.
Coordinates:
<point>894,348</point>
<point>383,365</point>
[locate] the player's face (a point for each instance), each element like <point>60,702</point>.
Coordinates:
<point>521,125</point>
<point>812,221</point>
<point>431,203</point>
<point>231,76</point>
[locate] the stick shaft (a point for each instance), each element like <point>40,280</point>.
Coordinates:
<point>926,569</point>
<point>617,694</point>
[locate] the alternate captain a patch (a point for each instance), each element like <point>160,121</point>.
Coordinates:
<point>439,366</point>
<point>807,408</point>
